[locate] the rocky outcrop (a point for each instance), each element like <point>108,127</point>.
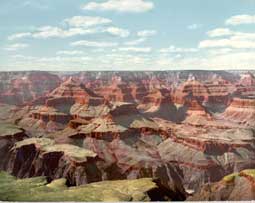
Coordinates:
<point>69,101</point>
<point>9,135</point>
<point>247,79</point>
<point>190,88</point>
<point>117,92</point>
<point>41,156</point>
<point>139,90</point>
<point>47,114</point>
<point>246,86</point>
<point>234,187</point>
<point>71,92</point>
<point>215,93</point>
<point>158,104</point>
<point>116,160</point>
<point>42,119</point>
<point>194,107</point>
<point>146,189</point>
<point>220,92</point>
<point>132,158</point>
<point>194,113</point>
<point>241,111</point>
<point>119,120</point>
<point>208,157</point>
<point>26,88</point>
<point>96,108</point>
<point>71,88</point>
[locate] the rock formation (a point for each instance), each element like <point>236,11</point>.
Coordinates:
<point>12,189</point>
<point>41,156</point>
<point>234,187</point>
<point>209,156</point>
<point>241,111</point>
<point>26,88</point>
<point>117,91</point>
<point>184,130</point>
<point>9,135</point>
<point>190,88</point>
<point>70,100</point>
<point>246,85</point>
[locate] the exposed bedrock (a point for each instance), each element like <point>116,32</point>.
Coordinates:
<point>241,111</point>
<point>117,92</point>
<point>233,187</point>
<point>247,79</point>
<point>141,160</point>
<point>158,104</point>
<point>34,157</point>
<point>9,135</point>
<point>199,157</point>
<point>207,158</point>
<point>27,87</point>
<point>42,189</point>
<point>42,157</point>
<point>139,90</point>
<point>215,94</point>
<point>173,163</point>
<point>193,88</point>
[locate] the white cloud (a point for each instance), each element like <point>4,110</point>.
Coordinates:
<point>234,49</point>
<point>128,60</point>
<point>233,39</point>
<point>52,59</point>
<point>86,21</point>
<point>58,63</point>
<point>231,43</point>
<point>57,32</point>
<point>135,49</point>
<point>194,26</point>
<point>220,51</point>
<point>48,32</point>
<point>243,36</point>
<point>173,49</point>
<point>104,61</point>
<point>70,52</point>
<point>135,42</point>
<point>15,47</point>
<point>78,25</point>
<point>94,44</point>
<point>117,31</point>
<point>146,33</point>
<point>241,19</point>
<point>239,60</point>
<point>136,6</point>
<point>98,50</point>
<point>219,32</point>
<point>19,35</point>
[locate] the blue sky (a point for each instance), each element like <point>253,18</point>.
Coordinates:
<point>127,34</point>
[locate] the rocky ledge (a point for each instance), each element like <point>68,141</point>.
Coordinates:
<point>234,187</point>
<point>12,189</point>
<point>41,156</point>
<point>9,135</point>
<point>241,111</point>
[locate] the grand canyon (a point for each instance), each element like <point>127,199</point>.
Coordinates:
<point>127,136</point>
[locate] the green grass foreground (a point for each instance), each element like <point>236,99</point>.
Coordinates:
<point>38,189</point>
